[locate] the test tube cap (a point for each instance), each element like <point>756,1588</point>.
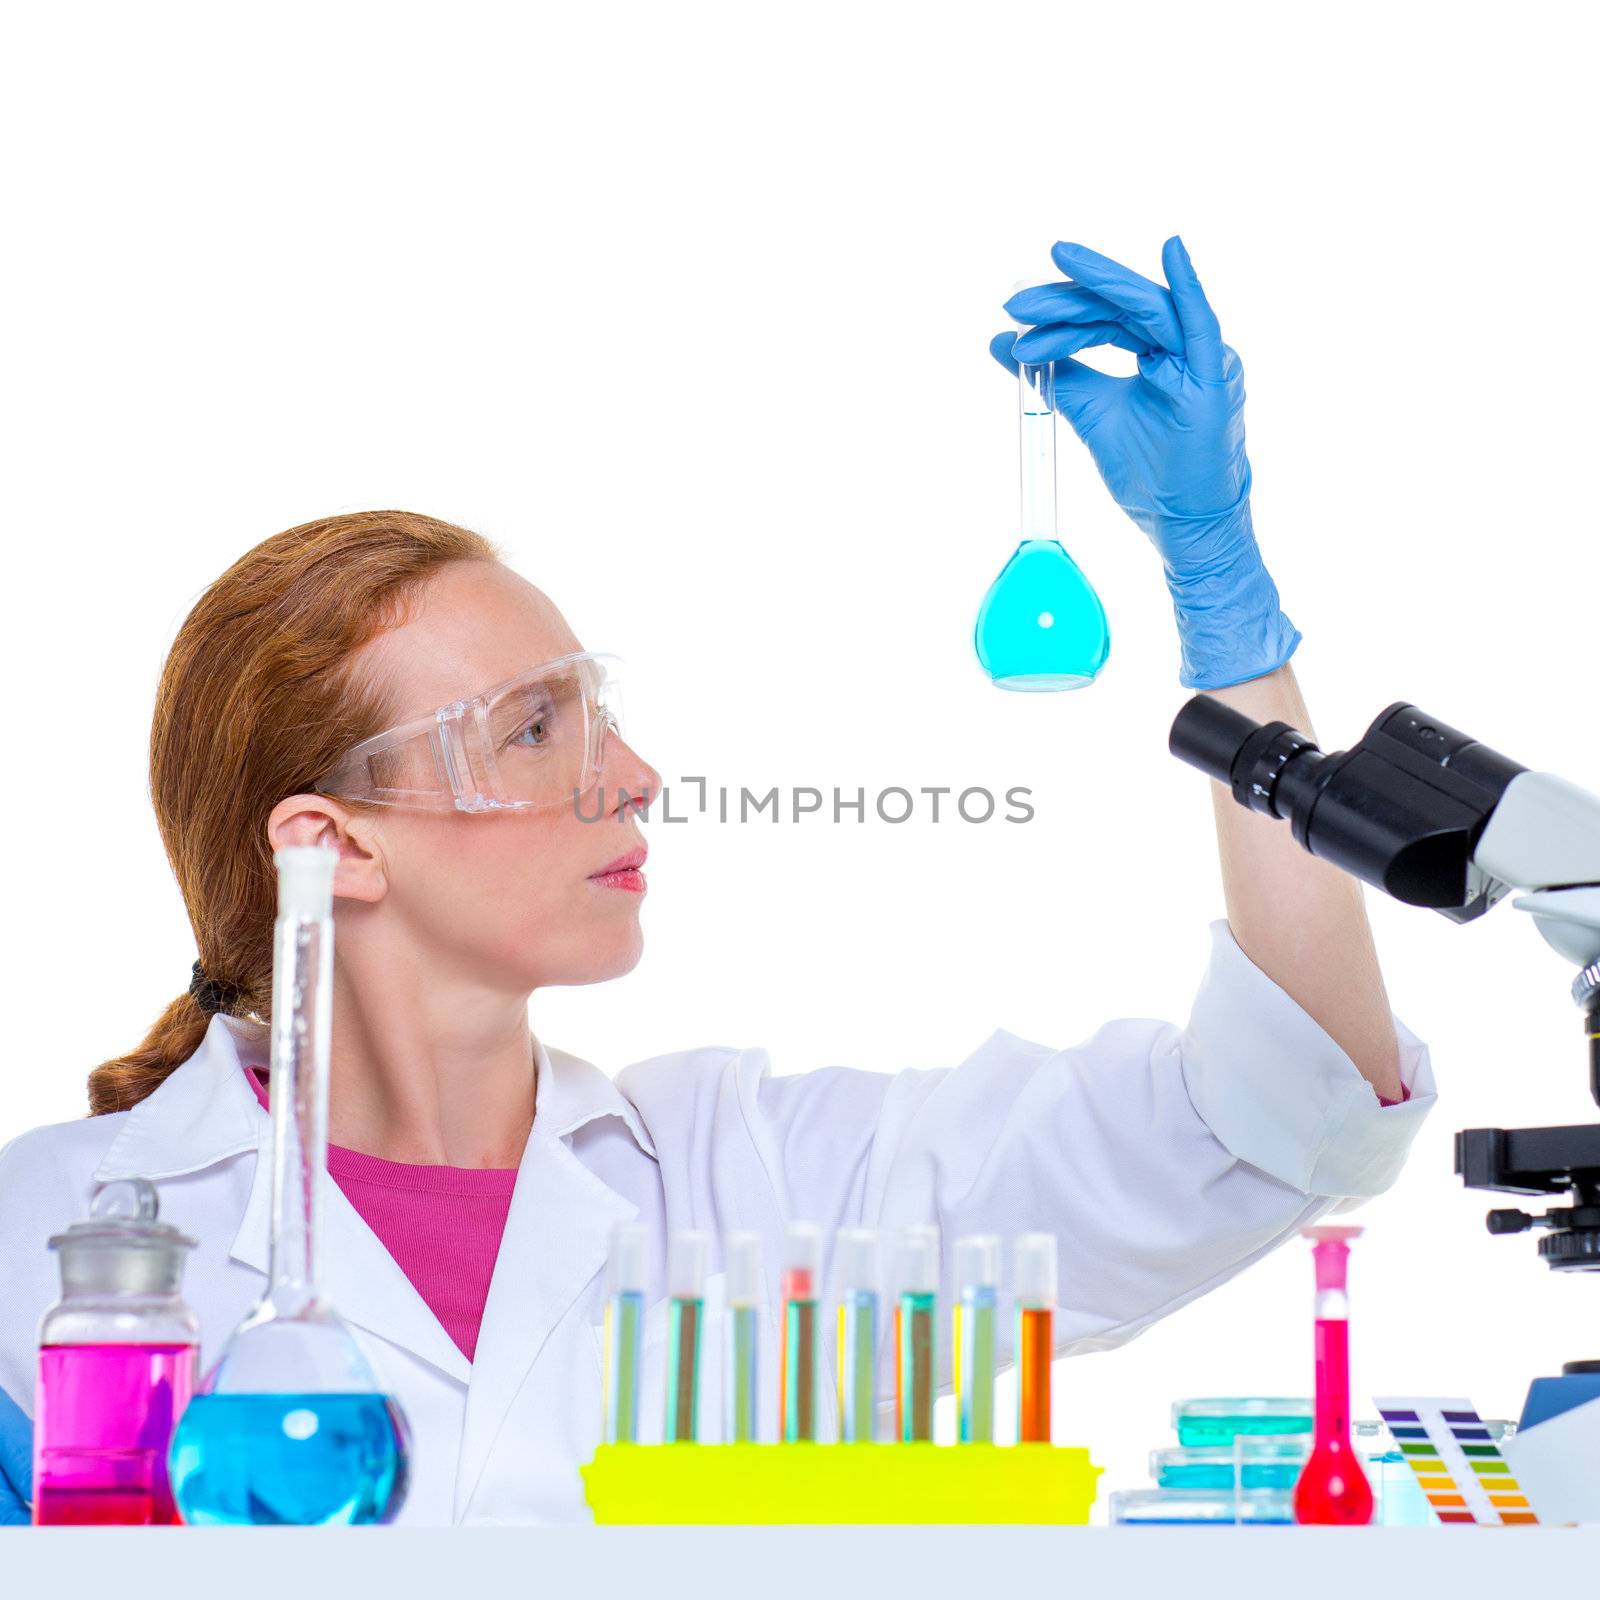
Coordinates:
<point>856,1260</point>
<point>978,1261</point>
<point>743,1253</point>
<point>916,1258</point>
<point>687,1251</point>
<point>305,880</point>
<point>625,1261</point>
<point>1035,1261</point>
<point>1330,1251</point>
<point>802,1260</point>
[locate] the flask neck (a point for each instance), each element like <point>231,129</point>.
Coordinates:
<point>1036,426</point>
<point>1333,1366</point>
<point>302,993</point>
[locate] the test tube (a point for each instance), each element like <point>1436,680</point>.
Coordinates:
<point>686,1289</point>
<point>977,1275</point>
<point>624,1316</point>
<point>743,1252</point>
<point>1036,1304</point>
<point>916,1341</point>
<point>856,1250</point>
<point>802,1273</point>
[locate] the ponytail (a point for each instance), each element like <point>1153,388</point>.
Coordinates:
<point>121,1084</point>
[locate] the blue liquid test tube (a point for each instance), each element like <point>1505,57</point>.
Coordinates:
<point>619,1379</point>
<point>916,1335</point>
<point>686,1291</point>
<point>739,1412</point>
<point>977,1262</point>
<point>856,1252</point>
<point>802,1274</point>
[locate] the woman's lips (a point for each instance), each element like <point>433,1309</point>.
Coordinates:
<point>623,873</point>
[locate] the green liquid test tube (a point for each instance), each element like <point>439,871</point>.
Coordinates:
<point>916,1337</point>
<point>802,1270</point>
<point>619,1378</point>
<point>740,1413</point>
<point>686,1288</point>
<point>856,1250</point>
<point>977,1274</point>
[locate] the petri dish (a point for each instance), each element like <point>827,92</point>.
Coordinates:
<point>1201,1508</point>
<point>1271,1465</point>
<point>1219,1420</point>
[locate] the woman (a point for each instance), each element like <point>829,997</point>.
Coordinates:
<point>478,1172</point>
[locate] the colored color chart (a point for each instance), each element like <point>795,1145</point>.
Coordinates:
<point>1457,1464</point>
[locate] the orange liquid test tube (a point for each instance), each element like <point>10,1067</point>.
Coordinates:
<point>1036,1303</point>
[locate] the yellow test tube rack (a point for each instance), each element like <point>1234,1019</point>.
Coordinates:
<point>839,1483</point>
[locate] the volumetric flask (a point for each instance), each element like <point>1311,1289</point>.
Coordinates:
<point>1041,625</point>
<point>117,1360</point>
<point>290,1426</point>
<point>1332,1487</point>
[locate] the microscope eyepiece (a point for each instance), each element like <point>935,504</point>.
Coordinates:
<point>1208,735</point>
<point>1402,810</point>
<point>1251,758</point>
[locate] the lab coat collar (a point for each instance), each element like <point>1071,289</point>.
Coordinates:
<point>202,1113</point>
<point>572,1092</point>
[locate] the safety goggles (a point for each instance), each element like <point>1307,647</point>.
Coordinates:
<point>531,743</point>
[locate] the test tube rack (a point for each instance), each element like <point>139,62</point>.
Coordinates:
<point>840,1483</point>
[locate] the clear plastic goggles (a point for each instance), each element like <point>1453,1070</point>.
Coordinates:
<point>532,743</point>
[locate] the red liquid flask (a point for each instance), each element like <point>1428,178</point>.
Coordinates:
<point>1333,1488</point>
<point>117,1365</point>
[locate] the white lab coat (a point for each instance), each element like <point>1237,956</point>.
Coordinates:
<point>1164,1159</point>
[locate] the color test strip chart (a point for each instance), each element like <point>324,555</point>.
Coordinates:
<point>1457,1464</point>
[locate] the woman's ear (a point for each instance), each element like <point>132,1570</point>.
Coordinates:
<point>311,819</point>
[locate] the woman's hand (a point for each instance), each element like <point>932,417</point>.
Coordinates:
<point>16,1462</point>
<point>1169,444</point>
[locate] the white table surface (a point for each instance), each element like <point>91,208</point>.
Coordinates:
<point>776,1563</point>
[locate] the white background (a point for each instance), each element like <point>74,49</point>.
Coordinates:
<point>687,305</point>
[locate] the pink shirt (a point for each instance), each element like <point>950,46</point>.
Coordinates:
<point>442,1225</point>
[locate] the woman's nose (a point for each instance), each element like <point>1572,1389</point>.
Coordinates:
<point>628,774</point>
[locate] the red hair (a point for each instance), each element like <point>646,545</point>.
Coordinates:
<point>256,701</point>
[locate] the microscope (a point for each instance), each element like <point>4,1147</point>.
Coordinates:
<point>1433,818</point>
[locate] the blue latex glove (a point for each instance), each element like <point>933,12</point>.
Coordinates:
<point>16,1462</point>
<point>1169,444</point>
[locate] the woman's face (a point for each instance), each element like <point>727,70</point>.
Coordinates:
<point>507,898</point>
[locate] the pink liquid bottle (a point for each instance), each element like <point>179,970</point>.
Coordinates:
<point>1332,1487</point>
<point>117,1364</point>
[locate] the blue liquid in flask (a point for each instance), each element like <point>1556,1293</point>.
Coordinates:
<point>1041,625</point>
<point>307,1460</point>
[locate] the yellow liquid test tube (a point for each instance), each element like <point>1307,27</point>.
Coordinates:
<point>619,1377</point>
<point>856,1254</point>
